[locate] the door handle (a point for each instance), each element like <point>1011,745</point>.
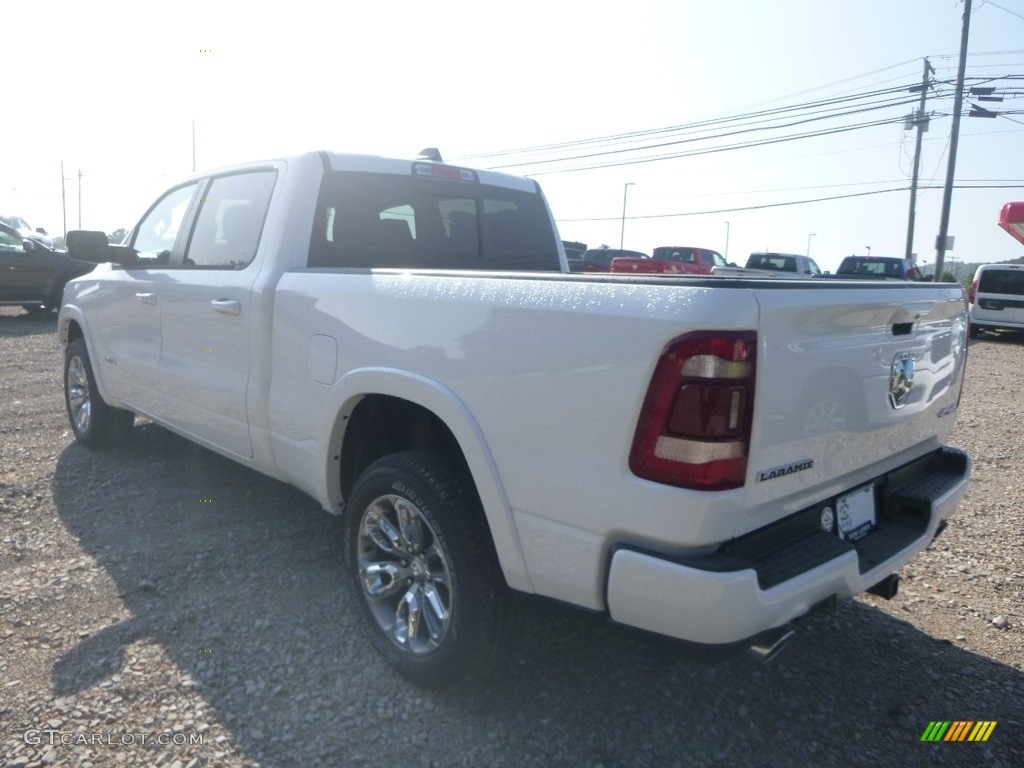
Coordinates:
<point>227,306</point>
<point>146,298</point>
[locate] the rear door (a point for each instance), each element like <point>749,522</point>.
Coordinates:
<point>15,265</point>
<point>1000,295</point>
<point>205,313</point>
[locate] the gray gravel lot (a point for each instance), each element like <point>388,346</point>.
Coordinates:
<point>161,606</point>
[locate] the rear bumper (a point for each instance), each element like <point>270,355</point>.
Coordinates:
<point>777,574</point>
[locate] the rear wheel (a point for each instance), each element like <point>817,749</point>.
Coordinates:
<point>94,423</point>
<point>423,570</point>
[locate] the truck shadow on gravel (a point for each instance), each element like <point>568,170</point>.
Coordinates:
<point>26,323</point>
<point>239,579</point>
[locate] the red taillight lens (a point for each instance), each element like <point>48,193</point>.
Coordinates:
<point>694,427</point>
<point>973,292</point>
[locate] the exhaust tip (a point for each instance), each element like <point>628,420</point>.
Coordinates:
<point>767,645</point>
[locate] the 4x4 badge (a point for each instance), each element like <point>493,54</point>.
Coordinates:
<point>901,379</point>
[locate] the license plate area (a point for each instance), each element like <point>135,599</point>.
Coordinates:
<point>855,513</point>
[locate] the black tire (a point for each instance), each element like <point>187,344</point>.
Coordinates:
<point>56,297</point>
<point>437,565</point>
<point>94,423</point>
<point>973,331</point>
<point>36,309</point>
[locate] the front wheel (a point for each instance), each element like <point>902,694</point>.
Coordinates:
<point>94,423</point>
<point>423,570</point>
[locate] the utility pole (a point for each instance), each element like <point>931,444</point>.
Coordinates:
<point>958,102</point>
<point>921,121</point>
<point>63,200</point>
<point>622,235</point>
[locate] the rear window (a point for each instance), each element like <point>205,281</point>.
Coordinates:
<point>877,267</point>
<point>1008,281</point>
<point>367,220</point>
<point>773,261</point>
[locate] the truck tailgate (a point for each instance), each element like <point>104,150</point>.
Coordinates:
<point>851,382</point>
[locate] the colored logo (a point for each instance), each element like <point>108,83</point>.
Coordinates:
<point>958,730</point>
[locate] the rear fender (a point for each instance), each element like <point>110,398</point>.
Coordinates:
<point>447,406</point>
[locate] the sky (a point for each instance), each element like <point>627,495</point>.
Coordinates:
<point>113,90</point>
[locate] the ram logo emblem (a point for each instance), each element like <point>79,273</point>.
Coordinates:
<point>901,379</point>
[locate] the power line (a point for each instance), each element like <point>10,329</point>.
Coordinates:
<point>1019,185</point>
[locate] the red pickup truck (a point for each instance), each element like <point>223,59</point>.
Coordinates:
<point>672,260</point>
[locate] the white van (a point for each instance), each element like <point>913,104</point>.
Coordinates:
<point>997,298</point>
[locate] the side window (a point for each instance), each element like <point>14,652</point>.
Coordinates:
<point>10,243</point>
<point>157,232</point>
<point>230,220</point>
<point>812,265</point>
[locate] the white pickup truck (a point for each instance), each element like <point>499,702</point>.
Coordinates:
<point>704,458</point>
<point>790,265</point>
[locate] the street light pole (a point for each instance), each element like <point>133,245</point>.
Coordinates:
<point>813,234</point>
<point>726,254</point>
<point>869,249</point>
<point>622,234</point>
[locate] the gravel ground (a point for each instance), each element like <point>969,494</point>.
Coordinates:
<point>164,607</point>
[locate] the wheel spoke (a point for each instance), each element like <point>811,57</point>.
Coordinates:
<point>408,521</point>
<point>382,580</point>
<point>383,532</point>
<point>435,615</point>
<point>407,617</point>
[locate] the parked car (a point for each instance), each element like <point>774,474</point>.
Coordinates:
<point>574,255</point>
<point>787,265</point>
<point>879,267</point>
<point>32,274</point>
<point>672,260</point>
<point>600,259</point>
<point>27,233</point>
<point>996,298</point>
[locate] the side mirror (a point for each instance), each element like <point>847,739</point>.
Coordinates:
<point>42,231</point>
<point>86,245</point>
<point>29,246</point>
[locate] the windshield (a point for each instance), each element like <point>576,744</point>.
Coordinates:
<point>15,221</point>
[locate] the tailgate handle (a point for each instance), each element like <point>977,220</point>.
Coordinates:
<point>146,298</point>
<point>227,306</point>
<point>911,312</point>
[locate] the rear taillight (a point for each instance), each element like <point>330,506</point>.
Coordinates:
<point>694,427</point>
<point>973,292</point>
